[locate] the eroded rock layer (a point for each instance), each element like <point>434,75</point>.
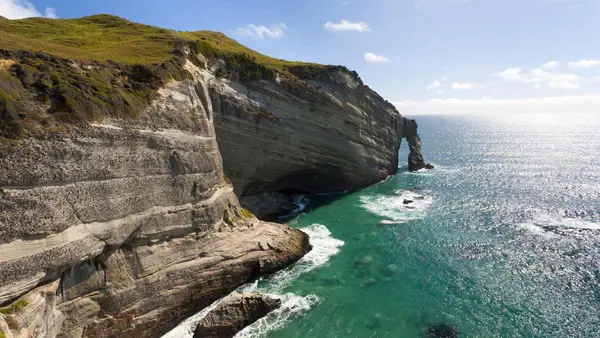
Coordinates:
<point>123,228</point>
<point>323,131</point>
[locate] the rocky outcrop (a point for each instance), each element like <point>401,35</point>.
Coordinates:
<point>125,227</point>
<point>415,157</point>
<point>323,131</point>
<point>117,218</point>
<point>235,313</point>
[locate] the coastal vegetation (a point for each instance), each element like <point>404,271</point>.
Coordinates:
<point>81,70</point>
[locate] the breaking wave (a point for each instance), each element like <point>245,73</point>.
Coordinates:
<point>293,306</point>
<point>548,226</point>
<point>324,246</point>
<point>401,208</point>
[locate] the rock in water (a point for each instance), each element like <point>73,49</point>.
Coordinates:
<point>234,314</point>
<point>415,157</point>
<point>442,330</point>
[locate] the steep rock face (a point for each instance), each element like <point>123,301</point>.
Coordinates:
<point>321,132</point>
<point>235,313</point>
<point>415,157</point>
<point>125,227</point>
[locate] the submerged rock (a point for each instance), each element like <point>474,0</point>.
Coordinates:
<point>407,201</point>
<point>442,330</point>
<point>367,260</point>
<point>375,322</point>
<point>392,268</point>
<point>368,282</point>
<point>234,314</point>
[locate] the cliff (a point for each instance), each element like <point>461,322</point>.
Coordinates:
<point>318,132</point>
<point>116,217</point>
<point>123,150</point>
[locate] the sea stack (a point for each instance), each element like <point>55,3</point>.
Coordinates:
<point>415,157</point>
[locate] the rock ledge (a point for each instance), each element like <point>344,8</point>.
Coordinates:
<point>234,314</point>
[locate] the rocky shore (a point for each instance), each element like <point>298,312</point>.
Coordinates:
<point>119,180</point>
<point>235,313</point>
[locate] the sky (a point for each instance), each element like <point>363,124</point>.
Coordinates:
<point>425,56</point>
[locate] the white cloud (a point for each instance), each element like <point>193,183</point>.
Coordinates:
<point>374,58</point>
<point>564,85</point>
<point>345,25</point>
<point>558,104</point>
<point>19,9</point>
<point>50,13</point>
<point>539,75</point>
<point>514,74</point>
<point>584,64</point>
<point>260,32</point>
<point>464,86</point>
<point>551,65</point>
<point>434,85</point>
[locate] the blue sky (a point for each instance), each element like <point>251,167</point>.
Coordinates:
<point>427,56</point>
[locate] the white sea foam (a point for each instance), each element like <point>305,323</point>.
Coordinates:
<point>393,207</point>
<point>536,229</point>
<point>301,202</point>
<point>292,306</point>
<point>574,223</point>
<point>430,172</point>
<point>324,247</point>
<point>388,222</point>
<point>543,224</point>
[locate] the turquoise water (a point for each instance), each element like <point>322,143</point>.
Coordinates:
<point>502,240</point>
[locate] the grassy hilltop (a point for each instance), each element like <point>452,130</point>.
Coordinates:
<point>78,70</point>
<point>105,37</point>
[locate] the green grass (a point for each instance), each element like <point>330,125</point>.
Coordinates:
<point>2,335</point>
<point>227,47</point>
<point>14,307</point>
<point>124,64</point>
<point>98,37</point>
<point>247,213</point>
<point>105,37</point>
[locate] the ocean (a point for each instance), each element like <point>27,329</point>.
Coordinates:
<point>502,239</point>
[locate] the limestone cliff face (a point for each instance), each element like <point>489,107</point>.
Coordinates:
<point>123,228</point>
<point>119,181</point>
<point>324,131</point>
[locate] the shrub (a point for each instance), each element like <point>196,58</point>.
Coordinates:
<point>247,213</point>
<point>14,307</point>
